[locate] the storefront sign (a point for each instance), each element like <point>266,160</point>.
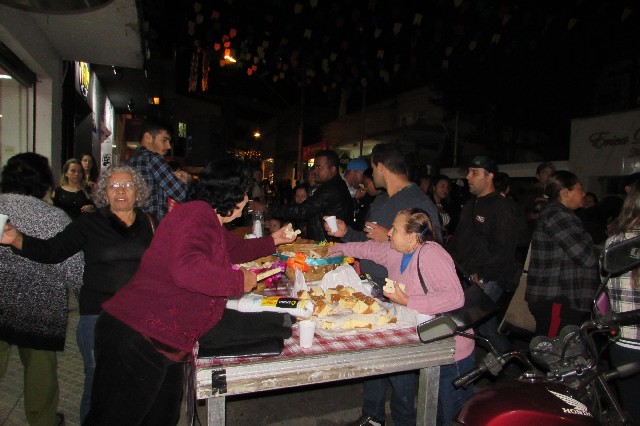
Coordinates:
<point>308,152</point>
<point>607,145</point>
<point>83,78</point>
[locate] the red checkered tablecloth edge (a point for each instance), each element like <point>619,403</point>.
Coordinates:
<point>323,345</point>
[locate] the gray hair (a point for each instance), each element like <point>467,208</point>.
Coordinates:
<point>99,194</point>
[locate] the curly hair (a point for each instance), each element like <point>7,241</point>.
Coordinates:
<point>420,223</point>
<point>99,194</point>
<point>629,218</point>
<point>222,184</point>
<point>27,173</point>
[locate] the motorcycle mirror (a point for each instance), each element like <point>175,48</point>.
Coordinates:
<point>622,257</point>
<point>436,329</point>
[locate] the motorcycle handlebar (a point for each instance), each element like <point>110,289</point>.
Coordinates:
<point>469,377</point>
<point>626,318</point>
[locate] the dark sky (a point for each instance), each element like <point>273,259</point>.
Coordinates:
<point>528,64</point>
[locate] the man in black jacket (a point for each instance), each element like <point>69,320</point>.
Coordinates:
<point>485,240</point>
<point>332,198</point>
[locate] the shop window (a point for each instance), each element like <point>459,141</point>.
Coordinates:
<point>15,105</point>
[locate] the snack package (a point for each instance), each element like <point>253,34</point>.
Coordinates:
<point>251,302</point>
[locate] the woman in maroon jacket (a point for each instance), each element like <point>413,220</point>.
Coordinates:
<point>149,329</point>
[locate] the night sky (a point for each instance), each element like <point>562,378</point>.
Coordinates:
<point>528,66</point>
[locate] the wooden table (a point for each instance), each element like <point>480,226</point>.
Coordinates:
<point>217,378</point>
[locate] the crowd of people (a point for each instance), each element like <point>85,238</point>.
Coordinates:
<point>151,281</point>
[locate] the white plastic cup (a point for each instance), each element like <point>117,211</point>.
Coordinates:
<point>332,222</point>
<point>3,220</point>
<point>307,331</point>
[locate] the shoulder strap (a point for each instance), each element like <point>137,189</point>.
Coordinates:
<point>422,283</point>
<point>153,225</point>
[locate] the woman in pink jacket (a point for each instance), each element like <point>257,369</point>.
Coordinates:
<point>413,245</point>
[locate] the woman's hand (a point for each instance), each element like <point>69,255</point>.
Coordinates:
<point>250,280</point>
<point>280,237</point>
<point>398,296</point>
<point>11,236</point>
<point>376,232</point>
<point>342,228</point>
<point>87,208</point>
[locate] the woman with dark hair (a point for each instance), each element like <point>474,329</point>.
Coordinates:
<point>148,330</point>
<point>71,195</point>
<point>563,273</point>
<point>414,257</point>
<point>90,171</point>
<point>624,295</point>
<point>34,302</point>
<point>112,239</point>
<point>439,192</point>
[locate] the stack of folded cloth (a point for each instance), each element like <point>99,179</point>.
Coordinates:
<point>247,333</point>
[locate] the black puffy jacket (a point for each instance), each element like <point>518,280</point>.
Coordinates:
<point>332,198</point>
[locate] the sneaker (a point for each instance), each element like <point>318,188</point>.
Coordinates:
<point>366,420</point>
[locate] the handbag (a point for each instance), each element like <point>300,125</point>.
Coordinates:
<point>518,318</point>
<point>477,308</point>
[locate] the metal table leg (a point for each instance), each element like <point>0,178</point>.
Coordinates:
<point>216,411</point>
<point>428,386</point>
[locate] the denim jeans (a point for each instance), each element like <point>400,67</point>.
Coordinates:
<point>629,386</point>
<point>402,398</point>
<point>133,383</point>
<point>450,399</point>
<point>489,329</point>
<point>84,337</point>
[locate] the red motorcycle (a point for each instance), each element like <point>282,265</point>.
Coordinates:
<point>564,382</point>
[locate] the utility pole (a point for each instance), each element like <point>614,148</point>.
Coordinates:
<point>300,137</point>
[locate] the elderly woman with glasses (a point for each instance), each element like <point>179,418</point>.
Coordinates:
<point>113,239</point>
<point>147,332</point>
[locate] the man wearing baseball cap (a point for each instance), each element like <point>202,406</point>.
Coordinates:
<point>485,240</point>
<point>354,174</point>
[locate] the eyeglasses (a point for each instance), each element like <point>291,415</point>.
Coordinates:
<point>125,185</point>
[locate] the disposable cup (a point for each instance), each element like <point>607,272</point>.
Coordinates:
<point>307,330</point>
<point>3,220</point>
<point>333,223</point>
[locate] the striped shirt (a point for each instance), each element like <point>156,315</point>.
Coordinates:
<point>624,297</point>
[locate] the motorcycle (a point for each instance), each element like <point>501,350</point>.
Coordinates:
<point>565,382</point>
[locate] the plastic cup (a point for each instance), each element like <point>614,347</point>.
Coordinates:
<point>3,220</point>
<point>333,223</point>
<point>307,330</point>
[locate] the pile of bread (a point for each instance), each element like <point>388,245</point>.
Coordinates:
<point>345,308</point>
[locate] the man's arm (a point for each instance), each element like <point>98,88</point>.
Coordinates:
<point>162,173</point>
<point>316,204</point>
<point>501,256</point>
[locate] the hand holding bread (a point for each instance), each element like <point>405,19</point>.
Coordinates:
<point>394,291</point>
<point>285,235</point>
